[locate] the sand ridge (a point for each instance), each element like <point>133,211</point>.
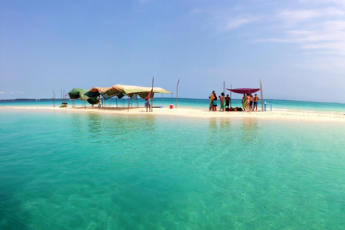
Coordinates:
<point>192,112</point>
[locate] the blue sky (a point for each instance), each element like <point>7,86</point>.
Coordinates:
<point>296,47</point>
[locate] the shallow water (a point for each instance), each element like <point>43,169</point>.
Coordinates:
<point>63,170</point>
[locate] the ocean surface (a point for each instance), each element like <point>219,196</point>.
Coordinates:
<point>277,105</point>
<point>71,170</point>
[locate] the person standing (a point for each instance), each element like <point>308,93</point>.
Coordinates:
<point>222,102</point>
<point>214,101</point>
<point>251,102</point>
<point>211,101</point>
<point>244,102</point>
<point>148,103</point>
<point>227,101</point>
<point>248,100</point>
<point>256,100</point>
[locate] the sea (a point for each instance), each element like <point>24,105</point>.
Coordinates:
<point>63,169</point>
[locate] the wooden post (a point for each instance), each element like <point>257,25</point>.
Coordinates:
<point>177,92</point>
<point>224,88</point>
<point>151,109</point>
<point>262,97</point>
<point>230,97</point>
<point>102,101</point>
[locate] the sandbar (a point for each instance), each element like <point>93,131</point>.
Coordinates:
<point>197,113</point>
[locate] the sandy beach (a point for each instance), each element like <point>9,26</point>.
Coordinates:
<point>197,113</point>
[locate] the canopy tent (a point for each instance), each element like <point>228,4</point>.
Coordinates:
<point>96,91</point>
<point>245,90</point>
<point>250,91</point>
<point>77,93</point>
<point>131,90</point>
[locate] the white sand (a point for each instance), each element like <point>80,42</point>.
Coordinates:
<point>197,113</point>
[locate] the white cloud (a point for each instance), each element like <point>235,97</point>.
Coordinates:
<point>298,15</point>
<point>2,92</point>
<point>328,37</point>
<point>240,21</point>
<point>320,30</point>
<point>291,16</point>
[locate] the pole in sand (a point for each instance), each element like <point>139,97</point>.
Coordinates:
<point>224,87</point>
<point>151,106</point>
<point>230,96</point>
<point>262,97</point>
<point>178,82</point>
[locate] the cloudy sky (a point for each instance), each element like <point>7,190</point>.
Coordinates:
<point>296,47</point>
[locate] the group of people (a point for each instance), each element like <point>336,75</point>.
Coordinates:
<point>249,102</point>
<point>224,101</point>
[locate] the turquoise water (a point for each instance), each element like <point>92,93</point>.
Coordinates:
<point>69,170</point>
<point>195,103</point>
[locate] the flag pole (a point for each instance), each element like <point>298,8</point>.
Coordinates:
<point>224,88</point>
<point>153,81</point>
<point>177,92</point>
<point>262,97</point>
<point>230,97</point>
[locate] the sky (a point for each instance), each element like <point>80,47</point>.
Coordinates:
<point>296,47</point>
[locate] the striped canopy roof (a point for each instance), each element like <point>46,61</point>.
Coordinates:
<point>130,90</point>
<point>96,91</point>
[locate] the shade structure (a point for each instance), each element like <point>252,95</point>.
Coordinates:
<point>96,91</point>
<point>77,93</point>
<point>244,90</point>
<point>131,90</point>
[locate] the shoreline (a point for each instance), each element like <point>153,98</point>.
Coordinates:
<point>195,113</point>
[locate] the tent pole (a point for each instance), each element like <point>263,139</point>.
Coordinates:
<point>153,81</point>
<point>128,104</point>
<point>262,97</point>
<point>177,92</point>
<point>230,96</point>
<point>224,88</point>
